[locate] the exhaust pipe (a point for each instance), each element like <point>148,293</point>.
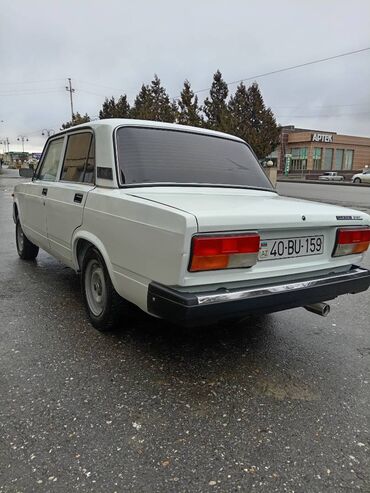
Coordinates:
<point>322,309</point>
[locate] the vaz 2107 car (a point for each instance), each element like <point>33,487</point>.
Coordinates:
<point>183,223</point>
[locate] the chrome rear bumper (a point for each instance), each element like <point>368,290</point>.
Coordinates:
<point>206,307</point>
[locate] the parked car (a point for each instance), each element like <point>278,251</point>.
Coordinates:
<point>183,223</point>
<point>331,176</point>
<point>363,177</point>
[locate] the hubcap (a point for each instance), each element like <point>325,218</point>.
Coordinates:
<point>20,238</point>
<point>95,288</point>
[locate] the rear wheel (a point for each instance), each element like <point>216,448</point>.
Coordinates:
<point>104,306</point>
<point>357,180</point>
<point>25,248</point>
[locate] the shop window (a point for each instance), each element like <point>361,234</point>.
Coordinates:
<point>348,159</point>
<point>299,159</point>
<point>317,154</point>
<point>339,153</point>
<point>328,158</point>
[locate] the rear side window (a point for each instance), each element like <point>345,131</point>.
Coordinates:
<point>79,160</point>
<point>50,163</point>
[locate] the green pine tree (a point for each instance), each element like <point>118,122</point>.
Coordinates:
<point>189,110</point>
<point>76,120</point>
<point>142,108</point>
<point>260,130</point>
<point>123,107</point>
<point>240,124</point>
<point>215,107</point>
<point>153,103</point>
<point>113,109</point>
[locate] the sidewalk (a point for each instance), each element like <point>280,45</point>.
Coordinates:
<point>322,182</point>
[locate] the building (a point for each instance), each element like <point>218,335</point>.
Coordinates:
<point>309,152</point>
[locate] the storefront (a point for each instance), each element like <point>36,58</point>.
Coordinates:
<point>304,151</point>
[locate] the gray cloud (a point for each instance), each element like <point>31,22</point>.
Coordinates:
<point>121,44</point>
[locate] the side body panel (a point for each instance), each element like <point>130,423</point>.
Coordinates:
<point>64,214</point>
<point>32,213</point>
<point>140,240</point>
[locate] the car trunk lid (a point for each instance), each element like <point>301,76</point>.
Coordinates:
<point>274,217</point>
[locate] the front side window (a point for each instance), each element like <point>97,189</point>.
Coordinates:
<point>151,155</point>
<point>50,163</point>
<point>78,165</point>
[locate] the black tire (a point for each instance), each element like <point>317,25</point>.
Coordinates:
<point>357,180</point>
<point>25,248</point>
<point>112,310</point>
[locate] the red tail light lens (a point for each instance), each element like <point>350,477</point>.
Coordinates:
<point>224,252</point>
<point>351,241</point>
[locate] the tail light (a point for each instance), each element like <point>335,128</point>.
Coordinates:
<point>224,251</point>
<point>351,240</point>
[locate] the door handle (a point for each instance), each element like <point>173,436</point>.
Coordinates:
<point>44,191</point>
<point>78,198</point>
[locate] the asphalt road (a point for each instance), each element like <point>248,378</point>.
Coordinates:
<point>349,196</point>
<point>278,403</point>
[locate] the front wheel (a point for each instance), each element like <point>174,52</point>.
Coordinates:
<point>104,306</point>
<point>25,248</point>
<point>357,180</point>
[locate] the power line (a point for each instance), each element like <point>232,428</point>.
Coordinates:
<point>93,93</point>
<point>326,105</point>
<point>30,93</point>
<point>292,67</point>
<point>326,116</point>
<point>98,85</point>
<point>30,82</point>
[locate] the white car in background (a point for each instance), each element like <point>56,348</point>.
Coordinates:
<point>183,223</point>
<point>331,176</point>
<point>363,177</point>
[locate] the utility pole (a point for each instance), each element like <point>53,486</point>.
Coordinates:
<point>71,90</point>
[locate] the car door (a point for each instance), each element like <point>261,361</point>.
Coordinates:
<point>66,197</point>
<point>32,201</point>
<point>366,177</point>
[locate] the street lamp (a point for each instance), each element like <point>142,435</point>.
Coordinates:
<point>48,132</point>
<point>5,143</point>
<point>23,139</point>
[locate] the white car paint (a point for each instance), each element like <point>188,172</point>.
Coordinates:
<point>363,177</point>
<point>144,233</point>
<point>331,176</point>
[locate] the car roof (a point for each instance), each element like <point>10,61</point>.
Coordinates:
<point>114,123</point>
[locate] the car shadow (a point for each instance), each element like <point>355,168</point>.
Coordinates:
<point>258,353</point>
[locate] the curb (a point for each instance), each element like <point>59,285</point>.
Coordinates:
<point>324,182</point>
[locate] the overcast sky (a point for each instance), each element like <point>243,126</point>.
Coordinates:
<point>111,47</point>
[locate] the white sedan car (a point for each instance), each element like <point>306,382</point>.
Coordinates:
<point>331,176</point>
<point>183,223</point>
<point>363,177</point>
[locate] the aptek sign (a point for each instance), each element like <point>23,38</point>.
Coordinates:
<point>322,138</point>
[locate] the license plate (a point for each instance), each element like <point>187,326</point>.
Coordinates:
<point>301,246</point>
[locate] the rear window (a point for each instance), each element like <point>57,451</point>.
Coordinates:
<point>150,155</point>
